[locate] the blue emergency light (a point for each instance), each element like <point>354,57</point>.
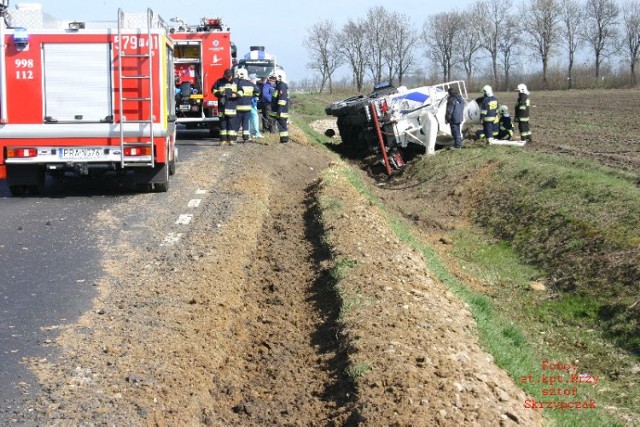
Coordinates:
<point>20,36</point>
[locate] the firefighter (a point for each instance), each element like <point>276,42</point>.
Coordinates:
<point>246,92</point>
<point>506,127</point>
<point>488,114</point>
<point>522,113</point>
<point>280,105</point>
<point>226,89</point>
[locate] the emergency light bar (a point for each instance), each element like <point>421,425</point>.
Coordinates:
<point>20,36</point>
<point>75,25</point>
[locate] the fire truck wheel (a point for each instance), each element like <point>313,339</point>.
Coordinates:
<point>17,190</point>
<point>214,131</point>
<point>163,186</point>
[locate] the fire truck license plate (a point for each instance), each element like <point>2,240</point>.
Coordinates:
<point>80,153</point>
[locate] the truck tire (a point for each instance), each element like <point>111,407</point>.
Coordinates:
<point>214,130</point>
<point>23,179</point>
<point>18,190</point>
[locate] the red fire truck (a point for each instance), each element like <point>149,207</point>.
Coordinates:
<point>87,101</point>
<point>202,53</point>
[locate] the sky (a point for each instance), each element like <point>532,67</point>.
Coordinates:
<point>281,26</point>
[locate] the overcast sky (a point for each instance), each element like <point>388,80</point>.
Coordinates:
<point>279,25</point>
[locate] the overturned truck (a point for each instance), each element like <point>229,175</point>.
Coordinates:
<point>390,120</point>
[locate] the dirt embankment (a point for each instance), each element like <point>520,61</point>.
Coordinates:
<point>239,323</point>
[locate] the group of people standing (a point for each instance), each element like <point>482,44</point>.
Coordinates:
<point>496,121</point>
<point>239,98</point>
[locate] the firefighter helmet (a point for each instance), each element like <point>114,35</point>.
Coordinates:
<point>487,90</point>
<point>243,74</point>
<point>503,110</point>
<point>522,88</point>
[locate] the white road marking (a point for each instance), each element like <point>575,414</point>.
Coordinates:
<point>201,191</point>
<point>171,239</point>
<point>194,203</point>
<point>184,219</point>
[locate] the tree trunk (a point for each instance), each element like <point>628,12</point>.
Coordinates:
<point>569,72</point>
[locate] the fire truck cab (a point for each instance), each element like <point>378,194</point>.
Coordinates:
<point>86,100</point>
<point>202,53</point>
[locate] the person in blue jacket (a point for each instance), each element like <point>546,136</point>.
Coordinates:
<point>454,115</point>
<point>265,99</point>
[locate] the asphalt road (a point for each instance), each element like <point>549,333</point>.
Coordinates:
<point>49,265</point>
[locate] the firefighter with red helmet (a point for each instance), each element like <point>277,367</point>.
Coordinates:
<point>226,89</point>
<point>280,105</point>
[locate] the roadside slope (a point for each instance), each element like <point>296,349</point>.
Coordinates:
<point>414,351</point>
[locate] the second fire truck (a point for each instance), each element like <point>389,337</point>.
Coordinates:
<point>202,53</point>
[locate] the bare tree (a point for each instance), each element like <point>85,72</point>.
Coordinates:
<point>377,36</point>
<point>507,46</point>
<point>571,15</point>
<point>351,45</point>
<point>600,29</point>
<point>440,34</point>
<point>542,23</point>
<point>492,15</point>
<point>321,47</point>
<point>468,44</point>
<point>401,44</point>
<point>631,19</point>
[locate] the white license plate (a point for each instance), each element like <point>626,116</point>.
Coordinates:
<point>184,107</point>
<point>80,153</point>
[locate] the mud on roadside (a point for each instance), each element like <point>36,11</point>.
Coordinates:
<point>239,324</point>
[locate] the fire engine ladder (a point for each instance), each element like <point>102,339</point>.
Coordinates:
<point>127,100</point>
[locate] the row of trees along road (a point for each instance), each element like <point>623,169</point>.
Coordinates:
<point>494,34</point>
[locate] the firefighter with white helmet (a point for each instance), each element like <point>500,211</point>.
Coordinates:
<point>505,131</point>
<point>488,114</point>
<point>522,112</point>
<point>280,105</point>
<point>246,91</point>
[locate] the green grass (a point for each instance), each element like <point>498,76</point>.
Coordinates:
<point>499,333</point>
<point>568,223</point>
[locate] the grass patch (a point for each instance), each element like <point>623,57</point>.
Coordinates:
<point>503,337</point>
<point>358,370</point>
<point>342,266</point>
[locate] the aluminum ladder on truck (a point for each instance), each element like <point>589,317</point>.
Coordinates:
<point>127,100</point>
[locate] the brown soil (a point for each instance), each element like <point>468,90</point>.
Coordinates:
<point>239,322</point>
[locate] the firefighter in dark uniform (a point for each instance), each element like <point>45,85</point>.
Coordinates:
<point>246,91</point>
<point>506,126</point>
<point>280,105</point>
<point>488,114</point>
<point>226,89</point>
<point>522,113</point>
